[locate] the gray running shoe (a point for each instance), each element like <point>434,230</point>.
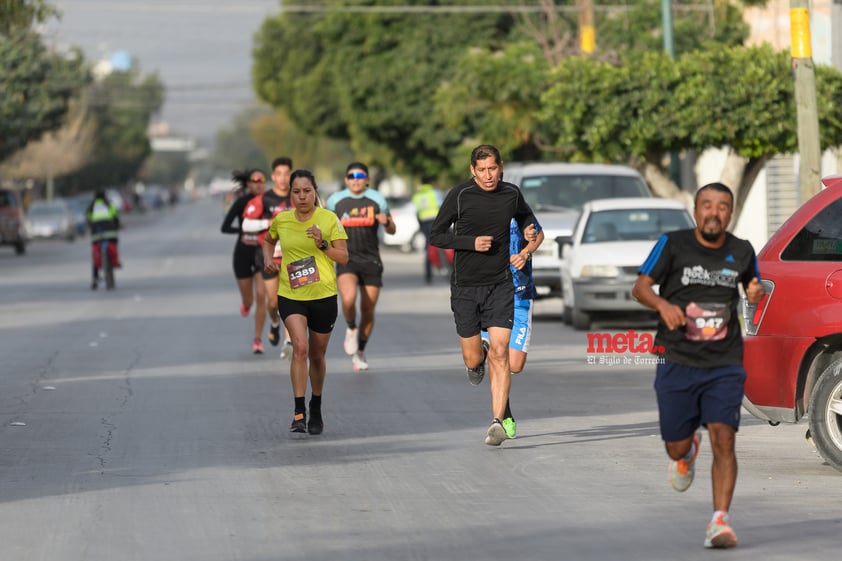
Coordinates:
<point>496,434</point>
<point>475,375</point>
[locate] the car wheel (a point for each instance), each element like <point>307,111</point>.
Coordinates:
<point>826,414</point>
<point>566,315</point>
<point>581,320</point>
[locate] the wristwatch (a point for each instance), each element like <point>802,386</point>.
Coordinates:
<point>324,245</point>
<point>528,255</point>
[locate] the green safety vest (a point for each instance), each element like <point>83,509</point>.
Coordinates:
<point>426,203</point>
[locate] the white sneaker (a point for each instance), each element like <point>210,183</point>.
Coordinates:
<point>286,350</point>
<point>496,434</point>
<point>351,343</point>
<point>359,361</point>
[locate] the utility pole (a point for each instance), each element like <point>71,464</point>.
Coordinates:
<point>587,31</point>
<point>809,148</point>
<point>669,48</point>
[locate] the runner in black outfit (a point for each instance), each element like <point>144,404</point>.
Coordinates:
<point>699,378</point>
<point>258,216</point>
<point>480,211</point>
<point>248,254</point>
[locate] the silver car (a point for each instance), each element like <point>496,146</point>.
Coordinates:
<point>51,219</point>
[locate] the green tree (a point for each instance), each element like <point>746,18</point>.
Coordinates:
<point>370,78</point>
<point>122,104</point>
<point>735,97</point>
<point>37,88</point>
<point>385,81</point>
<point>23,14</point>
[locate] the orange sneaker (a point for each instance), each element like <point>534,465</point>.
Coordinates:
<point>682,471</point>
<point>720,534</point>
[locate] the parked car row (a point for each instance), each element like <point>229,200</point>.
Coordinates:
<point>60,218</point>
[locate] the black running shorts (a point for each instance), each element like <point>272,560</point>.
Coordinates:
<point>369,273</point>
<point>248,260</point>
<point>321,314</point>
<point>479,307</point>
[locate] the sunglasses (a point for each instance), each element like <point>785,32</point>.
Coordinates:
<point>258,180</point>
<point>357,175</point>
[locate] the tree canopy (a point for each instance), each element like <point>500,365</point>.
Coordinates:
<point>383,80</point>
<point>37,88</point>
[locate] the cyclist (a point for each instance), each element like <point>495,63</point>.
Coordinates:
<point>103,221</point>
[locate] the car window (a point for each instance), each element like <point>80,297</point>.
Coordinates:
<point>573,191</point>
<point>820,239</point>
<point>634,224</point>
<point>46,210</point>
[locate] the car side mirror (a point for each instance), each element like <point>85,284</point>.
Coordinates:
<point>562,241</point>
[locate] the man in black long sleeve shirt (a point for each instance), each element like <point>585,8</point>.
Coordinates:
<point>480,212</point>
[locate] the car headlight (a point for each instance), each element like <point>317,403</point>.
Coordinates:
<point>600,271</point>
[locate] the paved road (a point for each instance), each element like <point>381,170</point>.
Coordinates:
<point>151,433</point>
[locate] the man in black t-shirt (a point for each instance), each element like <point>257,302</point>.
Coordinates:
<point>700,377</point>
<point>475,220</point>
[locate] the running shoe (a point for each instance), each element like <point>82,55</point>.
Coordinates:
<point>316,424</point>
<point>511,427</point>
<point>359,361</point>
<point>351,343</point>
<point>257,346</point>
<point>243,310</point>
<point>475,375</point>
<point>275,334</point>
<point>719,533</point>
<point>286,350</point>
<point>682,471</point>
<point>299,423</point>
<point>496,434</point>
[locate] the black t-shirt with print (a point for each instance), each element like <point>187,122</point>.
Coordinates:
<point>702,281</point>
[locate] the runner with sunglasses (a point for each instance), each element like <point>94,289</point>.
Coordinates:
<point>248,254</point>
<point>362,211</point>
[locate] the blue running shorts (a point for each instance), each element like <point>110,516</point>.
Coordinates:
<point>690,397</point>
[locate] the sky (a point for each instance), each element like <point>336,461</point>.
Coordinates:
<point>201,50</point>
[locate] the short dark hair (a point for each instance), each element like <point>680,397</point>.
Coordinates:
<point>483,151</point>
<point>427,178</point>
<point>357,165</point>
<point>716,186</point>
<point>281,161</point>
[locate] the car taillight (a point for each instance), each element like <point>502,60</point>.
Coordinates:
<point>753,313</point>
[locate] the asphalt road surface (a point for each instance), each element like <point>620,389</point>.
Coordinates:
<point>136,425</point>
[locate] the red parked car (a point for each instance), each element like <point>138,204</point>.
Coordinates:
<point>793,343</point>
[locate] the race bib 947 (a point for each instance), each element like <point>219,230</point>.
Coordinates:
<point>707,321</point>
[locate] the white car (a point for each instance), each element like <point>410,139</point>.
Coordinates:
<point>408,236</point>
<point>610,241</point>
<point>556,192</point>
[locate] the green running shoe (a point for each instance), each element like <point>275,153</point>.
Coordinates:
<point>511,427</point>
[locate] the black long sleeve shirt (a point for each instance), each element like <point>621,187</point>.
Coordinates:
<point>471,212</point>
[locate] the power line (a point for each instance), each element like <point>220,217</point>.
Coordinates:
<point>304,8</point>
